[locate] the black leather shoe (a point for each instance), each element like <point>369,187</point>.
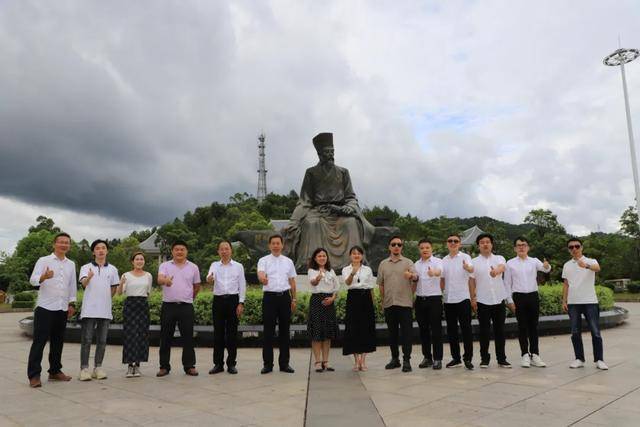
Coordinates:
<point>437,365</point>
<point>288,369</point>
<point>393,364</point>
<point>406,366</point>
<point>454,364</point>
<point>266,370</point>
<point>425,363</point>
<point>468,365</point>
<point>216,369</point>
<point>232,370</point>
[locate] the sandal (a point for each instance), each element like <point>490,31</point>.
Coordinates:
<point>326,367</point>
<point>321,368</point>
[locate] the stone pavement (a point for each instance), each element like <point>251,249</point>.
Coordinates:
<point>552,396</point>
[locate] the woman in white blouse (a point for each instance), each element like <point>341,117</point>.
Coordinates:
<point>136,285</point>
<point>322,323</point>
<point>360,318</point>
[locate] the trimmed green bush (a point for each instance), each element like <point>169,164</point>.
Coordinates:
<point>23,304</point>
<point>634,287</point>
<point>26,296</point>
<point>550,303</point>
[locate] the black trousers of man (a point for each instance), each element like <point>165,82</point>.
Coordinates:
<point>488,315</point>
<point>49,326</point>
<point>225,328</point>
<point>459,313</point>
<point>276,307</point>
<point>182,314</point>
<point>429,316</point>
<point>527,314</point>
<point>398,317</point>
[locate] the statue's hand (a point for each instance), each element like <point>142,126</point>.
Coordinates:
<point>347,210</point>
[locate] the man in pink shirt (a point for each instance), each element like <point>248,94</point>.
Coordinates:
<point>180,281</point>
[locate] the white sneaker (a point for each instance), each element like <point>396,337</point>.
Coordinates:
<point>99,373</point>
<point>136,371</point>
<point>577,364</point>
<point>526,361</point>
<point>601,365</point>
<point>130,372</point>
<point>84,375</point>
<point>537,361</point>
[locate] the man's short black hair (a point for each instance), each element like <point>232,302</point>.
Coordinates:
<point>179,243</point>
<point>484,236</point>
<point>61,234</point>
<point>395,237</point>
<point>454,234</point>
<point>225,241</point>
<point>574,239</point>
<point>276,236</point>
<point>521,238</point>
<point>425,240</point>
<point>97,242</point>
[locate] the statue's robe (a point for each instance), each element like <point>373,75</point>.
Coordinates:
<point>310,228</point>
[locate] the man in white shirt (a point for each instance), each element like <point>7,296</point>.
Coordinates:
<point>428,305</point>
<point>100,281</point>
<point>487,299</point>
<point>229,289</point>
<point>277,274</point>
<point>55,275</point>
<point>521,280</point>
<point>456,268</point>
<point>579,298</point>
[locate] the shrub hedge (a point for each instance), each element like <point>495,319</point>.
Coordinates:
<point>550,303</point>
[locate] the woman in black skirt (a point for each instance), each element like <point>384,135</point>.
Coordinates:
<point>136,285</point>
<point>322,323</point>
<point>360,321</point>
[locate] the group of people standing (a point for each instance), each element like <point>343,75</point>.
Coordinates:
<point>484,285</point>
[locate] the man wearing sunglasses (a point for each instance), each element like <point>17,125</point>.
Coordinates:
<point>396,276</point>
<point>579,298</point>
<point>454,280</point>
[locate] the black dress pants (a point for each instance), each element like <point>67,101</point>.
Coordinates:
<point>488,315</point>
<point>276,307</point>
<point>398,317</point>
<point>225,328</point>
<point>429,316</point>
<point>47,326</point>
<point>459,313</point>
<point>182,314</point>
<point>527,314</point>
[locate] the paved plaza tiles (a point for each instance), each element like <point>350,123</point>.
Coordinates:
<point>552,396</point>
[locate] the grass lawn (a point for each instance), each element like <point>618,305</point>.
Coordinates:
<point>626,297</point>
<point>5,307</point>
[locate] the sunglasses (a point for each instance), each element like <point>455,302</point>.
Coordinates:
<point>573,247</point>
<point>453,241</point>
<point>396,245</point>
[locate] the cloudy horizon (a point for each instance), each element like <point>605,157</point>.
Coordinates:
<point>121,115</point>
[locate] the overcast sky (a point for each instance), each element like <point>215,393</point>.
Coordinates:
<point>120,115</point>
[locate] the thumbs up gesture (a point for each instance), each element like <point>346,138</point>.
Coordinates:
<point>582,264</point>
<point>545,263</point>
<point>467,267</point>
<point>48,274</point>
<point>408,274</point>
<point>123,280</point>
<point>211,278</point>
<point>493,272</point>
<point>89,275</point>
<point>429,272</point>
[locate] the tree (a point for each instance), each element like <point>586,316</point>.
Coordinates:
<point>44,223</point>
<point>629,223</point>
<point>173,232</point>
<point>544,222</point>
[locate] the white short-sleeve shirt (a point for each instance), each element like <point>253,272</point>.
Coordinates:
<point>279,269</point>
<point>96,302</point>
<point>521,274</point>
<point>363,279</point>
<point>428,285</point>
<point>328,284</point>
<point>489,290</point>
<point>456,278</point>
<point>137,286</point>
<point>56,293</point>
<point>228,279</point>
<point>582,289</point>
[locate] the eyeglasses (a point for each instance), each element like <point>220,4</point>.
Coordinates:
<point>521,245</point>
<point>453,241</point>
<point>396,245</point>
<point>573,247</point>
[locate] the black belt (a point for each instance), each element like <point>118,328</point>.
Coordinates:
<point>226,296</point>
<point>428,296</point>
<point>359,290</point>
<point>178,303</point>
<point>281,293</point>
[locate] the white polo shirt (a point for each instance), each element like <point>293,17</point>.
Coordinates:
<point>279,269</point>
<point>489,290</point>
<point>228,279</point>
<point>96,302</point>
<point>363,279</point>
<point>456,278</point>
<point>581,281</point>
<point>521,274</point>
<point>56,293</point>
<point>428,286</point>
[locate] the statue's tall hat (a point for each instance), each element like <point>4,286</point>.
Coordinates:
<point>322,140</point>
